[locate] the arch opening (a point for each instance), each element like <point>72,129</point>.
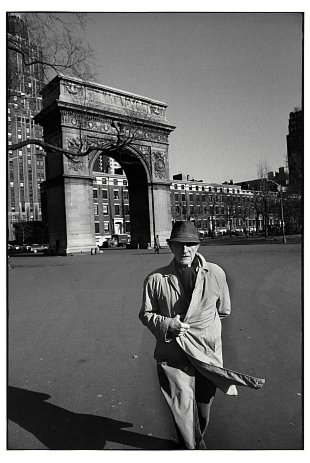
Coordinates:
<point>122,208</point>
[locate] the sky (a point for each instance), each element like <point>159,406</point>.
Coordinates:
<point>230,81</point>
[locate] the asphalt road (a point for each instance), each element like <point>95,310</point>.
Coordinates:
<point>81,372</point>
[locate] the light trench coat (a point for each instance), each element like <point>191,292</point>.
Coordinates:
<point>200,348</point>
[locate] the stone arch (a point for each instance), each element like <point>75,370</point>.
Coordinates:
<point>83,114</point>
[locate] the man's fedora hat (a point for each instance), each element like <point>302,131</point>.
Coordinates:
<point>184,232</point>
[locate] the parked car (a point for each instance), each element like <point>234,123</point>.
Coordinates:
<point>14,248</point>
<point>35,248</point>
<point>18,248</point>
<point>109,243</point>
<point>121,240</point>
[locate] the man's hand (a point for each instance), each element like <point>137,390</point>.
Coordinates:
<point>177,328</point>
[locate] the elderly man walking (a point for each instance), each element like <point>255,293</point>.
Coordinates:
<point>183,304</point>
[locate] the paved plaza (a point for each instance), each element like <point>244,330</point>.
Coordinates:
<point>81,369</point>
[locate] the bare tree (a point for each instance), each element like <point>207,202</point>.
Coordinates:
<point>247,212</point>
<point>262,169</point>
<point>23,231</point>
<point>52,42</point>
<point>265,201</point>
<point>230,205</point>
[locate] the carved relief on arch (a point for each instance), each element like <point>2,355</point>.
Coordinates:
<point>72,88</point>
<point>79,145</point>
<point>159,164</point>
<point>86,122</point>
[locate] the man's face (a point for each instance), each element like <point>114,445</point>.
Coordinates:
<point>184,253</point>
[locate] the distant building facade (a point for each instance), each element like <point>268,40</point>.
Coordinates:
<point>281,178</point>
<point>216,209</point>
<point>295,150</point>
<point>110,200</point>
<point>26,167</point>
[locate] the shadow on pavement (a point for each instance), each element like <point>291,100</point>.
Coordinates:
<point>60,429</point>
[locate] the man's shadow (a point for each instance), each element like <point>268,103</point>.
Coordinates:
<point>60,429</point>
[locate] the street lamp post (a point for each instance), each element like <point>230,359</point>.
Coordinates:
<point>282,212</point>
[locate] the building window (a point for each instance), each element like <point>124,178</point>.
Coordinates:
<point>104,194</point>
<point>95,193</point>
<point>115,182</point>
<point>177,209</point>
<point>127,227</point>
<point>116,209</point>
<point>175,187</point>
<point>106,226</point>
<point>126,209</point>
<point>104,181</point>
<point>116,194</point>
<point>105,209</point>
<point>96,209</point>
<point>125,194</point>
<point>197,187</point>
<point>191,197</point>
<point>182,187</point>
<point>190,187</point>
<point>125,183</point>
<point>183,197</point>
<point>97,227</point>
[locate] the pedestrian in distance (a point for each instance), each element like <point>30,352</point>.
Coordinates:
<point>183,305</point>
<point>156,245</point>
